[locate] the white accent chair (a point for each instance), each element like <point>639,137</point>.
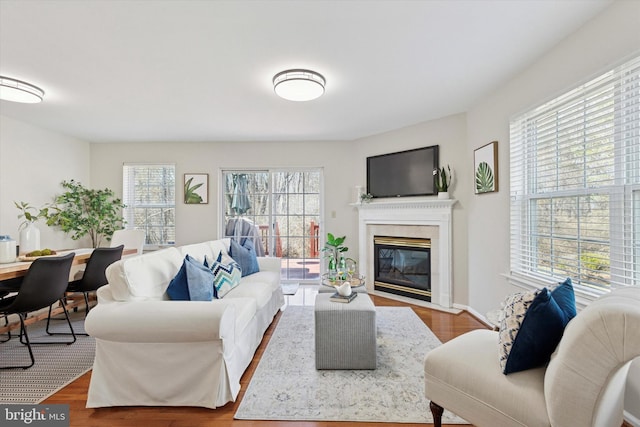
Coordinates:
<point>583,384</point>
<point>131,239</point>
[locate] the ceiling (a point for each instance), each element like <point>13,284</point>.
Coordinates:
<point>125,71</point>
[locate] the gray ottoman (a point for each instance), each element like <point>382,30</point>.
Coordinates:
<point>345,333</point>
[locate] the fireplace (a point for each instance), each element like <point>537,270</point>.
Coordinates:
<point>402,266</point>
<point>424,218</point>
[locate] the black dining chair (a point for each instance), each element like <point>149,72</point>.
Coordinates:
<point>6,318</point>
<point>93,278</point>
<point>42,286</point>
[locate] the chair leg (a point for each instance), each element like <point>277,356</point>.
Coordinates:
<point>86,300</point>
<point>436,411</point>
<point>23,332</point>
<point>6,323</point>
<point>66,315</point>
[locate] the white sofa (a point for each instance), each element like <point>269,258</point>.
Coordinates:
<point>155,352</point>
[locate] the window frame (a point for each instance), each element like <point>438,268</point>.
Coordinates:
<point>128,189</point>
<point>623,192</point>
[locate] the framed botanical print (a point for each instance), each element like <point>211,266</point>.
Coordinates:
<point>485,161</point>
<point>196,188</point>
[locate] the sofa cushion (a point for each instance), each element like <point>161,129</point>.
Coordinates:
<point>219,246</point>
<point>245,255</point>
<point>198,251</point>
<point>257,291</point>
<point>194,282</point>
<point>144,277</point>
<point>227,275</point>
<point>267,279</point>
<point>532,330</point>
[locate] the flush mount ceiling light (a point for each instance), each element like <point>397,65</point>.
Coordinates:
<point>298,85</point>
<point>19,91</point>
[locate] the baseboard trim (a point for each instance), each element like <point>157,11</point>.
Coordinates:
<point>630,420</point>
<point>481,318</point>
<point>415,301</point>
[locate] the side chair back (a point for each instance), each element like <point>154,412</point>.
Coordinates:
<point>94,274</point>
<point>131,239</point>
<point>44,284</point>
<point>585,381</point>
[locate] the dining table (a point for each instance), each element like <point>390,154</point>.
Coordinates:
<point>11,273</point>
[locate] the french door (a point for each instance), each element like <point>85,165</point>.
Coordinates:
<point>280,210</point>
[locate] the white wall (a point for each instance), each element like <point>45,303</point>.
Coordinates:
<point>33,163</point>
<point>200,222</point>
<point>597,46</point>
<point>449,133</point>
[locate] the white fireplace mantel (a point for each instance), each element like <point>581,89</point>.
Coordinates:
<point>413,212</point>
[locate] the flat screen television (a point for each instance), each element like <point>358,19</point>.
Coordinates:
<point>403,174</point>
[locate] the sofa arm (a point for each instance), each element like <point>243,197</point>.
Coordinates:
<point>161,321</point>
<point>269,264</point>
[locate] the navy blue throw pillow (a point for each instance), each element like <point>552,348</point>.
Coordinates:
<point>542,328</point>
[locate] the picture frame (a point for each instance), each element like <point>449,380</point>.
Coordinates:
<point>196,188</point>
<point>485,172</point>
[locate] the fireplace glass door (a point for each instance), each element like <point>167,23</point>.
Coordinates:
<point>403,266</point>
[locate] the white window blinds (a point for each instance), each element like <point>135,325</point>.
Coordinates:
<point>575,184</point>
<point>149,192</point>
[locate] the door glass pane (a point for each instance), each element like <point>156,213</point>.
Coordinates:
<point>284,216</point>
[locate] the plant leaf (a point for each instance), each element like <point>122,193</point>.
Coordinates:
<point>484,178</point>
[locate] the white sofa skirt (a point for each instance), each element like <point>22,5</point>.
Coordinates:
<point>181,373</point>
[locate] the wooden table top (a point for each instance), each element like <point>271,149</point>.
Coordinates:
<point>19,269</point>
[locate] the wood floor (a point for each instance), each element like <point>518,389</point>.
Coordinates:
<point>445,326</point>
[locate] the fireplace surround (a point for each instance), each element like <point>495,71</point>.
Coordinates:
<point>425,218</point>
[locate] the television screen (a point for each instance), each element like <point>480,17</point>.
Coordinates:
<point>404,173</point>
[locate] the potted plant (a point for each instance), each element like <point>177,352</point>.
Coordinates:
<point>444,180</point>
<point>365,197</point>
<point>29,233</point>
<point>333,249</point>
<point>81,211</point>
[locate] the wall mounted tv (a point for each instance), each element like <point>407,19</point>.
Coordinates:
<point>403,174</point>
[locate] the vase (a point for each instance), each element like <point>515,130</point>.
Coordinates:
<point>29,238</point>
<point>444,195</point>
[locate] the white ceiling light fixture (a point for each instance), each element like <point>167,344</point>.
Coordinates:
<point>19,91</point>
<point>299,85</point>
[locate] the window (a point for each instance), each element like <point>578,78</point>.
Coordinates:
<point>575,185</point>
<point>149,192</point>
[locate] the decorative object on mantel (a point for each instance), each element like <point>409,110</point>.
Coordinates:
<point>365,197</point>
<point>196,188</point>
<point>486,168</point>
<point>29,233</point>
<point>358,194</point>
<point>81,211</point>
<point>362,196</point>
<point>444,181</point>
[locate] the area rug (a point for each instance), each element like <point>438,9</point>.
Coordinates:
<point>290,288</point>
<point>286,385</point>
<point>56,365</point>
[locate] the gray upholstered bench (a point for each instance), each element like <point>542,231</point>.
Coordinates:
<point>345,333</point>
